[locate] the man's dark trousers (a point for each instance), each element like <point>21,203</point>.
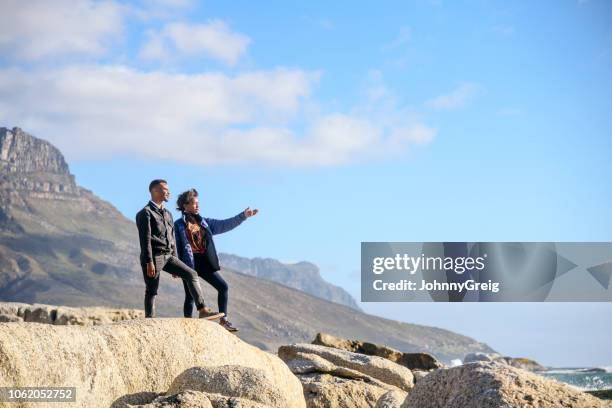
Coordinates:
<point>175,266</point>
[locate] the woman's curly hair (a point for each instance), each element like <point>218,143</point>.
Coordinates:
<point>185,198</point>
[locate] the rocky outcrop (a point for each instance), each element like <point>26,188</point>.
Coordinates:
<point>106,363</point>
<point>413,361</point>
<point>494,385</point>
<point>63,315</point>
<point>338,378</point>
<point>22,153</point>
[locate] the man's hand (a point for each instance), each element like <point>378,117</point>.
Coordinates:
<point>150,269</point>
<point>249,213</point>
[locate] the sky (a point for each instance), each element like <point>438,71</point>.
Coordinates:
<point>424,120</point>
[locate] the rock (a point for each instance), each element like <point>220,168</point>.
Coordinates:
<point>525,364</point>
<point>136,399</point>
<point>418,361</point>
<point>601,394</point>
<point>13,308</point>
<point>327,340</point>
<point>357,346</point>
<point>376,367</point>
<point>107,362</point>
<point>85,316</point>
<point>494,385</point>
<point>488,357</point>
<point>518,362</point>
<point>391,399</point>
<point>338,378</point>
<point>187,399</point>
<point>9,318</point>
<point>306,363</point>
<point>63,315</point>
<point>231,381</point>
<point>419,375</point>
<point>328,391</point>
<point>197,399</point>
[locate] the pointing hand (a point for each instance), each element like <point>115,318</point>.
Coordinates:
<point>249,213</point>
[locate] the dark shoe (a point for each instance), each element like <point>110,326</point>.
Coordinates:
<point>208,314</point>
<point>227,325</point>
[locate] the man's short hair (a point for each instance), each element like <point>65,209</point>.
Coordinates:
<point>156,183</point>
<point>185,198</point>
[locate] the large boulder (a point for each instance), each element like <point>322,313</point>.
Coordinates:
<point>413,361</point>
<point>338,378</point>
<point>231,381</point>
<point>107,362</point>
<point>376,367</point>
<point>494,385</point>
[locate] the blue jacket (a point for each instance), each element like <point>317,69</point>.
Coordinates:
<point>211,227</point>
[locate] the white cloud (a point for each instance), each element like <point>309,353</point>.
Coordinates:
<point>455,99</point>
<point>214,39</point>
<point>98,111</point>
<point>34,29</point>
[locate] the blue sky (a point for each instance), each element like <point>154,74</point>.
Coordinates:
<point>342,122</point>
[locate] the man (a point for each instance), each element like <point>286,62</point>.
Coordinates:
<point>158,251</point>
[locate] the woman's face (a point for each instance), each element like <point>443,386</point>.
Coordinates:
<point>193,207</point>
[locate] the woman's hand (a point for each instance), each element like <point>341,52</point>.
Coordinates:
<point>249,213</point>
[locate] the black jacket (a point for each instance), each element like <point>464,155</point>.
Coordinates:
<point>155,232</point>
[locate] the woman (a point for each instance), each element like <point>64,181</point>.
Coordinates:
<point>196,248</point>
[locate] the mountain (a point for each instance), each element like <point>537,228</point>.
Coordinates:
<point>61,244</point>
<point>303,276</point>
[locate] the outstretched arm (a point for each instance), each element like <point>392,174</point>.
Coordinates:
<point>221,226</point>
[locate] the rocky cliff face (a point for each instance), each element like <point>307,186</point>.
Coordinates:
<point>31,167</point>
<point>21,152</point>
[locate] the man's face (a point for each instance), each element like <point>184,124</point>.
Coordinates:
<point>160,192</point>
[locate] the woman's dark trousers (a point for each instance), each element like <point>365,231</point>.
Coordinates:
<point>214,278</point>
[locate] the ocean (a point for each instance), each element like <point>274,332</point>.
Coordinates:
<point>582,378</point>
